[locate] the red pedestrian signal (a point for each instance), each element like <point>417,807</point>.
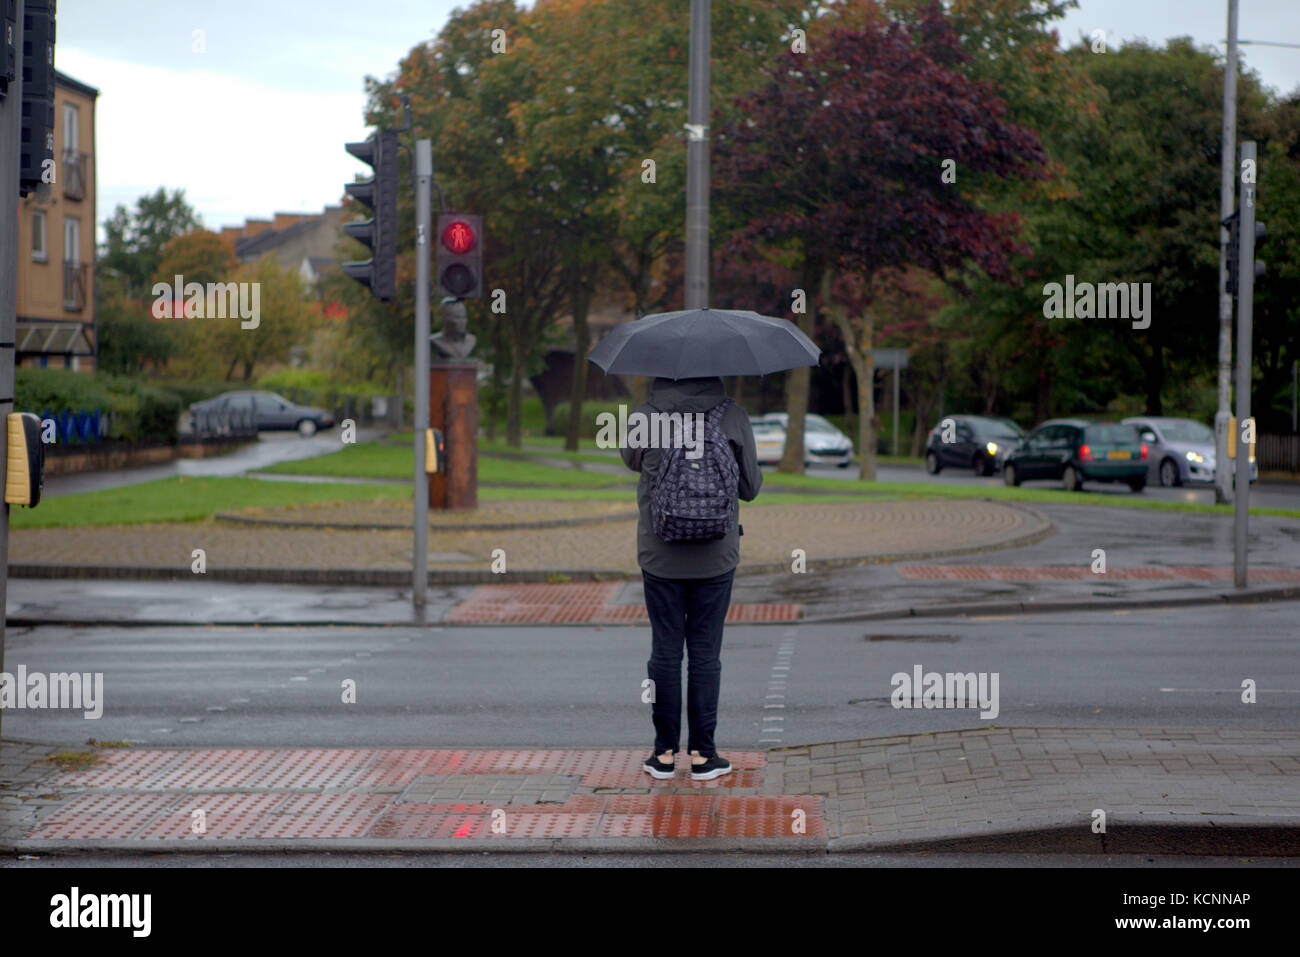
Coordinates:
<point>459,237</point>
<point>460,255</point>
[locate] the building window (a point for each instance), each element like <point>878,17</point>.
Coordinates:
<point>71,139</point>
<point>38,236</point>
<point>73,173</point>
<point>76,274</point>
<point>71,240</point>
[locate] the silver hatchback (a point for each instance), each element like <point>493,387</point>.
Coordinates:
<point>1181,450</point>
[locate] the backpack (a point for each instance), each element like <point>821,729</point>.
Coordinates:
<point>695,500</point>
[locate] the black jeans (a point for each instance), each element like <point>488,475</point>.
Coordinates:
<point>688,611</point>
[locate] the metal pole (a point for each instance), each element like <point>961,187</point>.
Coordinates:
<point>895,408</point>
<point>10,113</point>
<point>1245,292</point>
<point>423,230</point>
<point>1222,476</point>
<point>697,161</point>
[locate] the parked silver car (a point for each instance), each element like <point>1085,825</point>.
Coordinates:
<point>1179,450</point>
<point>822,442</point>
<point>268,410</point>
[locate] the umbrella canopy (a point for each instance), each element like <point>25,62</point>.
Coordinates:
<point>696,343</point>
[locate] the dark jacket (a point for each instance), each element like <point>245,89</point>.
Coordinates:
<point>691,559</point>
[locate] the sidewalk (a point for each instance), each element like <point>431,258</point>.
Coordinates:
<point>987,789</point>
<point>599,540</point>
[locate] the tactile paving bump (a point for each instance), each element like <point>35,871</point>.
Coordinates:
<point>753,612</point>
<point>102,816</point>
<point>540,604</point>
<point>224,816</point>
<point>598,767</point>
<point>671,816</point>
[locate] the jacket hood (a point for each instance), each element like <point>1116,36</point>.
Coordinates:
<point>687,395</point>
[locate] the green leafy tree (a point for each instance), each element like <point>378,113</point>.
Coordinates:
<point>879,108</point>
<point>135,239</point>
<point>129,340</point>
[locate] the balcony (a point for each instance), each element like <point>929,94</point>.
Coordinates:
<point>76,280</point>
<point>76,172</point>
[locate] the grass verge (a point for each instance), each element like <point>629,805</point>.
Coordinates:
<point>187,500</point>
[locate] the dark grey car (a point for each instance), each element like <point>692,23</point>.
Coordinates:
<point>978,442</point>
<point>269,412</point>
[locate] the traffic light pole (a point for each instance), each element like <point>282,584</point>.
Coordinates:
<point>423,233</point>
<point>1227,202</point>
<point>697,160</point>
<point>10,115</point>
<point>1245,267</point>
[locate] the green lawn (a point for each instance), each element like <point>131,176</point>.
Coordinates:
<point>379,460</point>
<point>196,499</point>
<point>187,500</point>
<point>375,460</point>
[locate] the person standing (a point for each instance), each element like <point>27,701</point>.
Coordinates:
<point>688,579</point>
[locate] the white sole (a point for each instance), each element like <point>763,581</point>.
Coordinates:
<point>710,775</point>
<point>658,775</point>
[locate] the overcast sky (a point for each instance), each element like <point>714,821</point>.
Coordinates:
<point>255,123</point>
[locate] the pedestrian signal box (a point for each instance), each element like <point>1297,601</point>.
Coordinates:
<point>25,470</point>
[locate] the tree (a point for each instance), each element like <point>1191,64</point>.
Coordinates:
<point>224,347</point>
<point>127,338</point>
<point>135,240</point>
<point>880,108</point>
<point>464,93</point>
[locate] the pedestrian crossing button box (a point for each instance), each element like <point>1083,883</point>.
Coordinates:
<point>25,469</point>
<point>435,453</point>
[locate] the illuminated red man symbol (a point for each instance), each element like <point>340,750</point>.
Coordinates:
<point>458,237</point>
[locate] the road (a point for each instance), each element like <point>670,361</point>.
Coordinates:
<point>1262,495</point>
<point>580,687</point>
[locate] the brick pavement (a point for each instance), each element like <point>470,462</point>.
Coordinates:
<point>1223,791</point>
<point>828,532</point>
<point>964,784</point>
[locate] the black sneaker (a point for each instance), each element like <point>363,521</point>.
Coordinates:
<point>715,767</point>
<point>658,769</point>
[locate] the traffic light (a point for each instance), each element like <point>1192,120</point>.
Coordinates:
<point>379,232</point>
<point>1233,223</point>
<point>460,255</point>
<point>36,141</point>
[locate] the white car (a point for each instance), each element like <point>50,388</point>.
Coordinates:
<point>823,444</point>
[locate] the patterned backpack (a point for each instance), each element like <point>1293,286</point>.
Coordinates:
<point>694,500</point>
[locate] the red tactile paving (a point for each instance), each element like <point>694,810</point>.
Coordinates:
<point>1082,572</point>
<point>581,603</point>
<point>755,612</point>
<point>278,794</point>
<point>533,604</point>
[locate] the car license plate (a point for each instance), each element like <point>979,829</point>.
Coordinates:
<point>1119,454</point>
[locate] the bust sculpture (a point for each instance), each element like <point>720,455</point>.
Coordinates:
<point>453,341</point>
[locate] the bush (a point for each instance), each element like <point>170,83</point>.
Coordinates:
<point>559,423</point>
<point>313,387</point>
<point>191,392</point>
<point>135,410</point>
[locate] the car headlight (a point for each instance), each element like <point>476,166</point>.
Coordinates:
<point>1196,457</point>
<point>992,447</point>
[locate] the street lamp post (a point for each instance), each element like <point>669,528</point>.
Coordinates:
<point>697,161</point>
<point>1227,202</point>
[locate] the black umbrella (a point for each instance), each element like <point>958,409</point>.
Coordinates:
<point>696,343</point>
